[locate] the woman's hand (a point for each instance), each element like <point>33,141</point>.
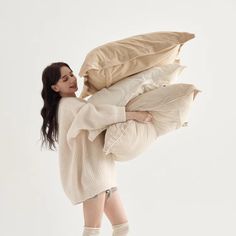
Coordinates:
<point>141,116</point>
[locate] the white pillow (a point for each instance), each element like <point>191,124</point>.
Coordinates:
<point>169,105</point>
<point>124,90</point>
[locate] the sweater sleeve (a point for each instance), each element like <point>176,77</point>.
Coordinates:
<point>91,117</point>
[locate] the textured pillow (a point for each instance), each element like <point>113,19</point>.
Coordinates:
<point>111,62</point>
<point>124,90</point>
<point>169,105</point>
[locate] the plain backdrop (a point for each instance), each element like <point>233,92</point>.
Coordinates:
<point>184,184</point>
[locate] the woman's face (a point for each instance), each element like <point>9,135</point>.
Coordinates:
<point>67,84</point>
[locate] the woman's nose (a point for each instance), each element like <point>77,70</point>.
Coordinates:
<point>74,78</point>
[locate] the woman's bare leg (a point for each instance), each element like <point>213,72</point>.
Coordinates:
<point>93,209</point>
<point>114,209</point>
<point>111,204</point>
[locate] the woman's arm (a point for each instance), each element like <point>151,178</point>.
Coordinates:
<point>141,116</point>
<point>91,117</point>
<point>87,116</point>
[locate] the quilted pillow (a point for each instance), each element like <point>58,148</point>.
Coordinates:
<point>124,90</point>
<point>116,60</point>
<point>169,106</point>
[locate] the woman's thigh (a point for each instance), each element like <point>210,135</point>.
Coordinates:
<point>114,209</point>
<point>93,209</point>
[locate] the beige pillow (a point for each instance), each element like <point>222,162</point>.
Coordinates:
<point>124,90</point>
<point>116,60</point>
<point>170,106</point>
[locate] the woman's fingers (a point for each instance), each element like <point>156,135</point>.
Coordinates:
<point>148,117</point>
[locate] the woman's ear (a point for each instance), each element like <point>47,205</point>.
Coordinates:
<point>54,87</point>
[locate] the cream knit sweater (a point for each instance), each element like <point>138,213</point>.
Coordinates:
<point>85,170</point>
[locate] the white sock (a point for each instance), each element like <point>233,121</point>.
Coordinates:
<point>121,229</point>
<point>90,231</point>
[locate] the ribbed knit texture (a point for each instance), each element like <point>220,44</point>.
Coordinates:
<point>121,229</point>
<point>85,170</point>
<point>90,231</point>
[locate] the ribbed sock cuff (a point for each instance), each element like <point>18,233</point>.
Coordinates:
<point>121,229</point>
<point>91,231</point>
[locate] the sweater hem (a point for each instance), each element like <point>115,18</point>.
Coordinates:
<point>100,190</point>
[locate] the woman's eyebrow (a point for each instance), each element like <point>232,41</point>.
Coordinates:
<point>66,75</point>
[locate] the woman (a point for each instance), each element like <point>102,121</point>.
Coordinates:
<point>88,175</point>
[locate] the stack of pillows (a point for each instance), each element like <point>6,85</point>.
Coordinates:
<point>140,73</point>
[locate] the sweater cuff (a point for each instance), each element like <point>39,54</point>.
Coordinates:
<point>121,114</point>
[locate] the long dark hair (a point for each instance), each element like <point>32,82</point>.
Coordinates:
<point>49,130</point>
